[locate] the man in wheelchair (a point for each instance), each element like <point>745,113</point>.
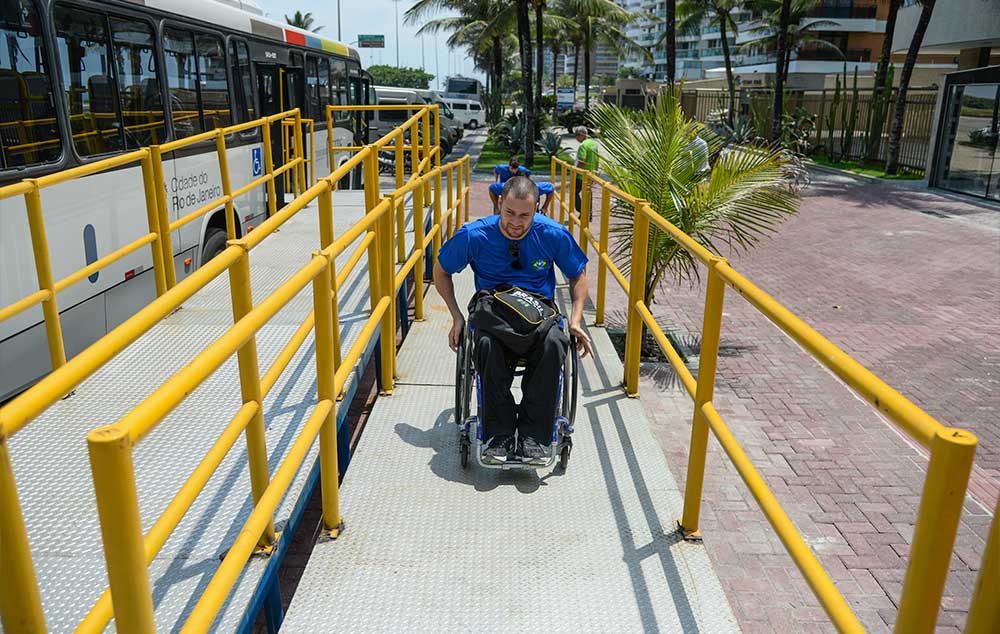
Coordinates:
<point>514,316</point>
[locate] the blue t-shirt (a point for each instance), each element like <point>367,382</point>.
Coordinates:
<point>483,245</point>
<point>505,174</point>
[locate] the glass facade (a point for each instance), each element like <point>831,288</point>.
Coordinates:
<point>967,160</point>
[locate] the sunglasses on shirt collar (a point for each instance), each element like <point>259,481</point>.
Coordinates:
<point>515,252</point>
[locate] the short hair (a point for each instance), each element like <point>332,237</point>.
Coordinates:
<point>580,129</point>
<point>521,188</point>
<point>513,162</point>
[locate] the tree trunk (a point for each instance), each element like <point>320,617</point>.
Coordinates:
<point>671,40</point>
<point>576,69</point>
<point>497,50</point>
<point>524,44</point>
<point>875,123</point>
<point>896,133</point>
<point>723,17</point>
<point>555,69</point>
<point>540,55</point>
<point>779,71</point>
<point>586,67</point>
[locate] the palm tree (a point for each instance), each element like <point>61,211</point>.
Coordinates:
<point>780,69</point>
<point>896,132</point>
<point>539,51</point>
<point>600,21</point>
<point>875,135</point>
<point>653,155</point>
<point>303,21</point>
<point>719,12</point>
<point>482,27</point>
<point>802,32</point>
<point>524,47</point>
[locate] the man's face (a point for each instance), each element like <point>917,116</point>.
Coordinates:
<point>516,215</point>
<point>580,137</point>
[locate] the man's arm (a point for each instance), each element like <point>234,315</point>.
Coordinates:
<point>446,289</point>
<point>578,292</point>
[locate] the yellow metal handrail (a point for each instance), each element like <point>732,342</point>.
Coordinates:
<point>20,603</point>
<point>951,450</point>
<point>127,551</point>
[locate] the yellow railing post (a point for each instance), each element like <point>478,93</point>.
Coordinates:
<point>20,601</point>
<point>163,216</point>
<point>110,450</point>
<point>602,268</point>
<point>940,509</point>
<point>552,169</point>
<point>300,153</point>
<point>227,190</point>
<point>419,266</point>
<point>414,148</point>
<point>449,195</point>
<point>239,288</point>
<point>425,122</point>
<point>153,220</point>
<point>459,198</point>
<point>387,281</point>
<point>371,200</point>
<point>272,196</point>
<point>715,294</point>
<point>43,269</point>
<point>636,294</point>
<point>585,212</point>
<point>984,611</point>
<point>436,242</point>
<point>326,239</point>
<point>400,209</point>
<point>329,139</point>
<point>468,189</point>
<point>416,200</point>
<point>565,195</point>
<point>326,390</point>
<point>437,134</point>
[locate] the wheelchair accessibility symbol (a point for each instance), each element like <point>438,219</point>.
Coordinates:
<point>258,162</point>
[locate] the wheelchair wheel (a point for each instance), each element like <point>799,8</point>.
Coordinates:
<point>570,381</point>
<point>460,381</point>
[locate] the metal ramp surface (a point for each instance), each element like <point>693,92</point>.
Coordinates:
<point>50,454</point>
<point>430,547</point>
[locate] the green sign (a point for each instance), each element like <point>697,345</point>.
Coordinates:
<point>371,41</point>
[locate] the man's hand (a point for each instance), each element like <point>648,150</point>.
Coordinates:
<point>582,340</point>
<point>457,328</point>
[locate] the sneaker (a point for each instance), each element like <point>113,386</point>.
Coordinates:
<point>533,452</point>
<point>498,449</point>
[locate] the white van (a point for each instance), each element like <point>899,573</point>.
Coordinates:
<point>468,111</point>
<point>383,122</point>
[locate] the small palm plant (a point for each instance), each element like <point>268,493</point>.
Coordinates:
<point>654,155</point>
<point>551,144</point>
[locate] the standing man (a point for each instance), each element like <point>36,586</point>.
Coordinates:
<point>520,249</point>
<point>586,158</point>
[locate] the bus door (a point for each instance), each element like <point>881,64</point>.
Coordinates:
<point>269,97</point>
<point>292,95</point>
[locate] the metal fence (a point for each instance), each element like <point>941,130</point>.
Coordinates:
<point>839,141</point>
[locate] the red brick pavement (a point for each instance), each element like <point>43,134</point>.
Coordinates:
<point>908,283</point>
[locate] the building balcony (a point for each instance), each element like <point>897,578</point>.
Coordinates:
<point>824,55</point>
<point>854,12</point>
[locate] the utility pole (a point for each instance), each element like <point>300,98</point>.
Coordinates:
<point>437,63</point>
<point>396,3</point>
<point>423,65</point>
<point>339,36</point>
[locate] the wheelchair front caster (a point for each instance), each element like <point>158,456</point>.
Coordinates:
<point>463,449</point>
<point>564,457</point>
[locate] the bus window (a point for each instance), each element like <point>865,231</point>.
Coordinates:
<point>312,87</point>
<point>139,89</point>
<point>88,85</point>
<point>394,116</point>
<point>29,134</point>
<point>324,91</point>
<point>182,81</point>
<point>213,84</point>
<point>243,86</point>
<point>338,82</point>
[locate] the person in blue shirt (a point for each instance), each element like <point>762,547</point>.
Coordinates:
<point>502,174</point>
<point>519,248</point>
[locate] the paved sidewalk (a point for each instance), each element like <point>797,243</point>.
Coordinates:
<point>908,283</point>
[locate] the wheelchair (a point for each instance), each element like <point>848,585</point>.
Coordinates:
<point>470,425</point>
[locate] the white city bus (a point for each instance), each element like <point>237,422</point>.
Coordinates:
<point>82,80</point>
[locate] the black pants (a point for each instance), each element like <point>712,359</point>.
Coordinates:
<point>578,193</point>
<point>536,413</point>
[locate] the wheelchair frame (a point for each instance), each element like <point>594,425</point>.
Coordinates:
<point>470,425</point>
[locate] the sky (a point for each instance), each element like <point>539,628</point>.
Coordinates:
<point>378,17</point>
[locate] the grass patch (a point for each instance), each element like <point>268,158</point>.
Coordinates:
<point>857,168</point>
<point>493,155</point>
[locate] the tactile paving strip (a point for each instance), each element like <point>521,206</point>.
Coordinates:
<point>50,455</point>
<point>432,547</point>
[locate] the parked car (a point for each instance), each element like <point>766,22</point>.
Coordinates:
<point>448,121</point>
<point>468,111</point>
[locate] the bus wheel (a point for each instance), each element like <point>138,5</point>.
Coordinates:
<point>473,124</point>
<point>215,243</point>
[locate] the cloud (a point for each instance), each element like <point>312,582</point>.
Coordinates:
<point>378,17</point>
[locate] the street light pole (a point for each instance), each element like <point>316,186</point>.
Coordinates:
<point>340,38</point>
<point>396,3</point>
